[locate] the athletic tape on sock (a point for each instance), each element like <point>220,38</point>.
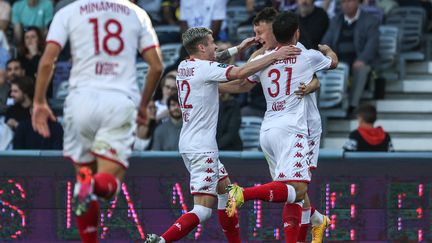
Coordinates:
<point>203,213</point>
<point>306,213</point>
<point>222,201</point>
<point>291,194</point>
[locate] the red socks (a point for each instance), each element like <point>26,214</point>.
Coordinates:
<point>291,220</point>
<point>230,226</point>
<point>185,224</point>
<point>88,223</point>
<point>303,233</point>
<point>271,192</point>
<point>105,185</point>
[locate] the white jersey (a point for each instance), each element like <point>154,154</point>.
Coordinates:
<point>105,36</point>
<point>313,115</point>
<point>280,80</point>
<point>197,83</point>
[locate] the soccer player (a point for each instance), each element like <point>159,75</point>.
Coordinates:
<point>197,83</point>
<point>100,110</point>
<point>264,34</point>
<point>286,117</point>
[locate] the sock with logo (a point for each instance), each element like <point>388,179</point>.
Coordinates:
<point>271,192</point>
<point>88,223</point>
<point>230,225</point>
<point>183,226</point>
<point>291,216</point>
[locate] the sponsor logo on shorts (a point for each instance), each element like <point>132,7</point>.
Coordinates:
<point>281,175</point>
<point>209,161</point>
<point>209,170</point>
<point>298,165</point>
<point>311,143</point>
<point>298,155</point>
<point>298,175</point>
<point>299,145</point>
<point>204,188</point>
<point>208,179</point>
<point>299,136</point>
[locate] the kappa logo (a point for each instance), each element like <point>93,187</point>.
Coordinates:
<point>312,143</point>
<point>209,170</point>
<point>298,175</point>
<point>271,196</point>
<point>298,155</point>
<point>112,151</point>
<point>178,225</point>
<point>208,179</point>
<point>204,188</point>
<point>298,165</point>
<point>281,175</point>
<point>286,224</point>
<point>209,161</point>
<point>90,229</point>
<point>299,145</point>
<point>299,136</point>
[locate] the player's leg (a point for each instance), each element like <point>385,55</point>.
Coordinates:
<point>305,220</point>
<point>292,213</point>
<point>203,169</point>
<point>230,225</point>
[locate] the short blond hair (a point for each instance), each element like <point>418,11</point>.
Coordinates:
<point>195,36</point>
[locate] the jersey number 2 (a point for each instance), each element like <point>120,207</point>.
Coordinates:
<point>275,81</point>
<point>110,34</point>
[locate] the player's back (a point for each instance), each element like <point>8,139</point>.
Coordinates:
<point>199,100</point>
<point>105,36</point>
<point>279,81</point>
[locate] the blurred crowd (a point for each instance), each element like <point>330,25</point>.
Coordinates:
<point>350,27</point>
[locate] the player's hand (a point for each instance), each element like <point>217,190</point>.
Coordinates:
<point>142,115</point>
<point>287,52</point>
<point>41,114</point>
<point>302,91</point>
<point>247,43</point>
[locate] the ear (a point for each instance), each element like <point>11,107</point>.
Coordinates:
<point>201,48</point>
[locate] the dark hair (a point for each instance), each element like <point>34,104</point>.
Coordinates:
<point>266,15</point>
<point>284,26</point>
<point>14,60</point>
<point>40,45</point>
<point>172,98</point>
<point>195,36</point>
<point>368,113</point>
<point>26,85</point>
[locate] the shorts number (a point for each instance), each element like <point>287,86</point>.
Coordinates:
<point>181,87</point>
<point>109,35</point>
<point>275,81</point>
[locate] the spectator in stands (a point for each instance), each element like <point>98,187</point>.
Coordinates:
<point>26,138</point>
<point>13,71</point>
<point>169,88</point>
<point>143,139</point>
<point>328,5</point>
<point>30,50</point>
<point>367,137</point>
<point>287,5</point>
<point>22,90</point>
<point>167,134</point>
<point>198,13</point>
<point>5,11</point>
<point>170,12</point>
<point>153,9</point>
<point>309,16</point>
<point>26,13</point>
<point>354,34</point>
<point>229,121</point>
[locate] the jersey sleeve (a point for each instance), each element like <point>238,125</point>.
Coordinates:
<point>254,78</point>
<point>219,10</point>
<point>216,71</point>
<point>58,31</point>
<point>148,38</point>
<point>317,60</point>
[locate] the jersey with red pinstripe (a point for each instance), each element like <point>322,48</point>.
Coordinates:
<point>105,36</point>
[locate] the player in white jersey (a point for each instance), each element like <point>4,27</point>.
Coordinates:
<point>101,108</point>
<point>197,83</point>
<point>285,127</point>
<point>262,24</point>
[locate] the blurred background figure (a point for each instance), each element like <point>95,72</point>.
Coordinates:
<point>30,50</point>
<point>229,121</point>
<point>166,135</point>
<point>169,88</point>
<point>144,134</point>
<point>367,138</point>
<point>22,90</point>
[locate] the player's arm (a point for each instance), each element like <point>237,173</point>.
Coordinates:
<point>327,51</point>
<point>237,86</point>
<point>224,55</point>
<point>154,60</point>
<point>305,89</point>
<point>254,66</point>
<point>41,110</point>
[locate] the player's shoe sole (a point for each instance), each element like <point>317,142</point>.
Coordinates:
<point>152,238</point>
<point>83,191</point>
<point>235,199</point>
<point>319,230</point>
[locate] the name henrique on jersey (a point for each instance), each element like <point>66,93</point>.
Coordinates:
<point>104,36</point>
<point>280,80</point>
<point>197,83</point>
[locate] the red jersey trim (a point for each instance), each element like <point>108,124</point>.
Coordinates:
<point>203,193</point>
<point>55,43</point>
<point>109,159</point>
<point>148,48</point>
<point>223,178</point>
<point>227,72</point>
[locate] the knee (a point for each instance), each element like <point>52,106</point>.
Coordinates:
<point>203,213</point>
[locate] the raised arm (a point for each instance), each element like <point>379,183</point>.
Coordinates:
<point>225,55</point>
<point>327,51</point>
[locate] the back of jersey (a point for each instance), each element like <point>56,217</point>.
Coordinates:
<point>105,36</point>
<point>279,81</point>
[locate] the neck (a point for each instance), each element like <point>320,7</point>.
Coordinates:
<point>199,55</point>
<point>366,125</point>
<point>26,103</point>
